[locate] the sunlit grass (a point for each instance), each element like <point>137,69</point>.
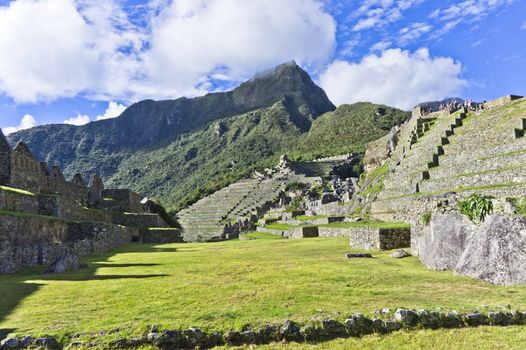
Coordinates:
<point>229,285</point>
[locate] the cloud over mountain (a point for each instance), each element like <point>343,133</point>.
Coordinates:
<point>28,121</point>
<point>394,77</point>
<point>94,49</point>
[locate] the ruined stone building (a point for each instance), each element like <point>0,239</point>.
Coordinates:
<point>48,220</point>
<point>20,169</point>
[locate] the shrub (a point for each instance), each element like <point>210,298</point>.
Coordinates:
<point>315,192</point>
<point>294,204</point>
<point>520,205</point>
<point>476,207</point>
<point>426,218</point>
<point>296,186</point>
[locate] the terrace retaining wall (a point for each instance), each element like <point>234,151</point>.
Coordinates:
<point>27,241</point>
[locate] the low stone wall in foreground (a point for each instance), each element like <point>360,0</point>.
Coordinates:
<point>356,325</point>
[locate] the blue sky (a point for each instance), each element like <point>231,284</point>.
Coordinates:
<point>79,60</point>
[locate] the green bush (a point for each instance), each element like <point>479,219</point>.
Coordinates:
<point>294,204</point>
<point>426,218</point>
<point>476,207</point>
<point>315,192</point>
<point>520,205</point>
<point>296,186</point>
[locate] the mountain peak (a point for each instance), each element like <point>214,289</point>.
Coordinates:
<point>289,66</point>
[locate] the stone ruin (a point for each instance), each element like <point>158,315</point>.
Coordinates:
<point>20,169</point>
<point>47,220</point>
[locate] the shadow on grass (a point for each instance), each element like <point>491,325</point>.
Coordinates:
<point>148,248</point>
<point>15,288</point>
<point>98,264</point>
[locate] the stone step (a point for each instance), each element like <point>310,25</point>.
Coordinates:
<point>490,166</point>
<point>456,155</point>
<point>394,205</point>
<point>514,176</point>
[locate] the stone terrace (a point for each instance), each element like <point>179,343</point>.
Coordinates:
<point>485,152</point>
<point>233,209</point>
<point>205,219</point>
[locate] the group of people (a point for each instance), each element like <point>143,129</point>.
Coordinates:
<point>455,105</point>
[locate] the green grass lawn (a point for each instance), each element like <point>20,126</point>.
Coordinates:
<point>228,285</point>
<point>261,235</point>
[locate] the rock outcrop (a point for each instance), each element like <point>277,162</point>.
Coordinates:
<point>497,251</point>
<point>64,263</point>
<point>442,247</point>
<point>494,251</point>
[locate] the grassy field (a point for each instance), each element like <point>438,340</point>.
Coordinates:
<point>228,285</point>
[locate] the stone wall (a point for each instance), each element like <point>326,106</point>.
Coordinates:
<point>375,238</point>
<point>20,169</point>
<point>332,209</point>
<point>5,160</point>
<point>376,152</point>
<point>157,235</point>
<point>303,232</point>
<point>333,231</point>
<point>71,189</point>
<point>139,220</point>
<point>26,172</point>
<point>18,201</point>
<point>66,208</point>
<point>27,241</point>
<point>501,101</point>
<point>122,200</point>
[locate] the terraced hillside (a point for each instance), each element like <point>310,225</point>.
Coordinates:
<point>235,208</point>
<point>442,156</point>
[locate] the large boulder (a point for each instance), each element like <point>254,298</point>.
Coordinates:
<point>497,252</point>
<point>442,246</point>
<point>64,263</point>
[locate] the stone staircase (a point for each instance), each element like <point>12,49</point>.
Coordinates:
<point>476,158</point>
<point>421,153</point>
<point>258,201</point>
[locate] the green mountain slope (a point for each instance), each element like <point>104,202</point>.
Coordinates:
<point>212,157</point>
<point>100,147</point>
<point>348,129</point>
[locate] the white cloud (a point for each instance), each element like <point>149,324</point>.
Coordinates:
<point>380,46</point>
<point>472,9</point>
<point>28,121</point>
<point>194,39</point>
<point>395,77</point>
<point>46,50</point>
<point>377,13</point>
<point>413,32</point>
<point>80,119</point>
<point>62,48</point>
<point>524,25</point>
<point>114,110</point>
